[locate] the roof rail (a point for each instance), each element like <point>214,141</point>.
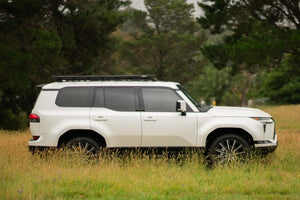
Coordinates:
<point>105,78</point>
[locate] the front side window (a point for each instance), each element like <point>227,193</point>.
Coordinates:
<point>159,99</point>
<point>75,97</point>
<point>116,98</point>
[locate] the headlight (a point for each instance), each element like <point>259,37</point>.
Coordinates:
<point>263,120</point>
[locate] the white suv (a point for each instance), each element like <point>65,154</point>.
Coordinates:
<point>86,113</point>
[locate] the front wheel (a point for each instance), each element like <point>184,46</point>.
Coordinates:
<point>229,149</point>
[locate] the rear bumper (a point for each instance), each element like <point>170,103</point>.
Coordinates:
<point>36,149</point>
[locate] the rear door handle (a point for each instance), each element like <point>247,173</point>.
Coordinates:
<point>100,118</point>
<point>150,118</point>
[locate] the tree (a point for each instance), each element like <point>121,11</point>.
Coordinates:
<point>221,15</point>
<point>85,28</point>
<point>27,53</point>
<point>41,38</point>
<point>282,85</point>
<point>165,41</point>
<point>260,33</point>
<point>221,86</point>
<point>211,85</point>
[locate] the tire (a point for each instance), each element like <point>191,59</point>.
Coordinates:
<point>229,149</point>
<point>84,147</point>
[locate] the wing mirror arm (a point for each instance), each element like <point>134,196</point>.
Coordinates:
<point>181,107</point>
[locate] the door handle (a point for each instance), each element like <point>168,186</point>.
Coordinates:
<point>100,118</point>
<point>150,118</point>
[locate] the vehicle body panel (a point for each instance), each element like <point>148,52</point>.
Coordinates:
<point>140,128</point>
<point>168,129</point>
<point>122,129</point>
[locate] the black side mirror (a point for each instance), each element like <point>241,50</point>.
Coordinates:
<point>181,107</point>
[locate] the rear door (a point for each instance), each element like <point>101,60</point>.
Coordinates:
<point>115,116</point>
<point>162,125</point>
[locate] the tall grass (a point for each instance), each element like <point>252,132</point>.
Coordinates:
<point>23,176</point>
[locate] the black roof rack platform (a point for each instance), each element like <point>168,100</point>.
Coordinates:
<point>105,78</point>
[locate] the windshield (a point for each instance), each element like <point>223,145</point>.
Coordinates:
<point>202,108</point>
<point>188,95</point>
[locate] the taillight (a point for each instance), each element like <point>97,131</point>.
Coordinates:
<point>35,137</point>
<point>34,118</point>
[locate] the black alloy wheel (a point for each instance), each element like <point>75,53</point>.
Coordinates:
<point>229,149</point>
<point>83,147</point>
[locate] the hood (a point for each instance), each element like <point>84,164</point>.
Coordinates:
<point>224,111</point>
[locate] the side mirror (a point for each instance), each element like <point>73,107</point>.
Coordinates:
<point>181,107</point>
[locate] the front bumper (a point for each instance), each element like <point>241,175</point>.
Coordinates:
<point>266,145</point>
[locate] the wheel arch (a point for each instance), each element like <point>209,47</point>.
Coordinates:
<point>67,136</point>
<point>222,131</point>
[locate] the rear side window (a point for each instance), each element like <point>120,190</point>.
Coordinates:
<point>75,97</point>
<point>116,98</point>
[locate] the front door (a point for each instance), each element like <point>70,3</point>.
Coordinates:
<point>162,125</point>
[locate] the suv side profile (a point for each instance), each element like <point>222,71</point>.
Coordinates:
<point>86,113</point>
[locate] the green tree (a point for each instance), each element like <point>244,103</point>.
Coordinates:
<point>221,86</point>
<point>165,41</point>
<point>260,33</point>
<point>211,85</point>
<point>28,52</point>
<point>282,85</point>
<point>41,38</point>
<point>85,28</point>
<point>221,15</point>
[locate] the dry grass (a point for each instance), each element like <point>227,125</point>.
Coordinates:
<point>23,176</point>
<point>286,117</point>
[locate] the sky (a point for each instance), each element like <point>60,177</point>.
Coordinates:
<point>139,4</point>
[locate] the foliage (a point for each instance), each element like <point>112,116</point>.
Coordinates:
<point>220,85</point>
<point>261,31</point>
<point>255,51</point>
<point>259,34</point>
<point>221,15</point>
<point>40,38</point>
<point>165,41</point>
<point>85,28</point>
<point>211,85</point>
<point>282,85</point>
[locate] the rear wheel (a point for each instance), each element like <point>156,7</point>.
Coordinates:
<point>229,149</point>
<point>84,147</point>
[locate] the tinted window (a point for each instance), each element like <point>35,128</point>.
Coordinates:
<point>75,97</point>
<point>120,99</point>
<point>159,99</point>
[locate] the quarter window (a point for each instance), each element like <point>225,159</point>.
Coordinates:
<point>75,97</point>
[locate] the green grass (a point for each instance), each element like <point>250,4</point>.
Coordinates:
<point>277,176</point>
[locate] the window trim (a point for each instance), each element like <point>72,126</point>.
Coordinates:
<point>138,96</point>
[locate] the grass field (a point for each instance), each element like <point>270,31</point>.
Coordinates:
<point>277,176</point>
